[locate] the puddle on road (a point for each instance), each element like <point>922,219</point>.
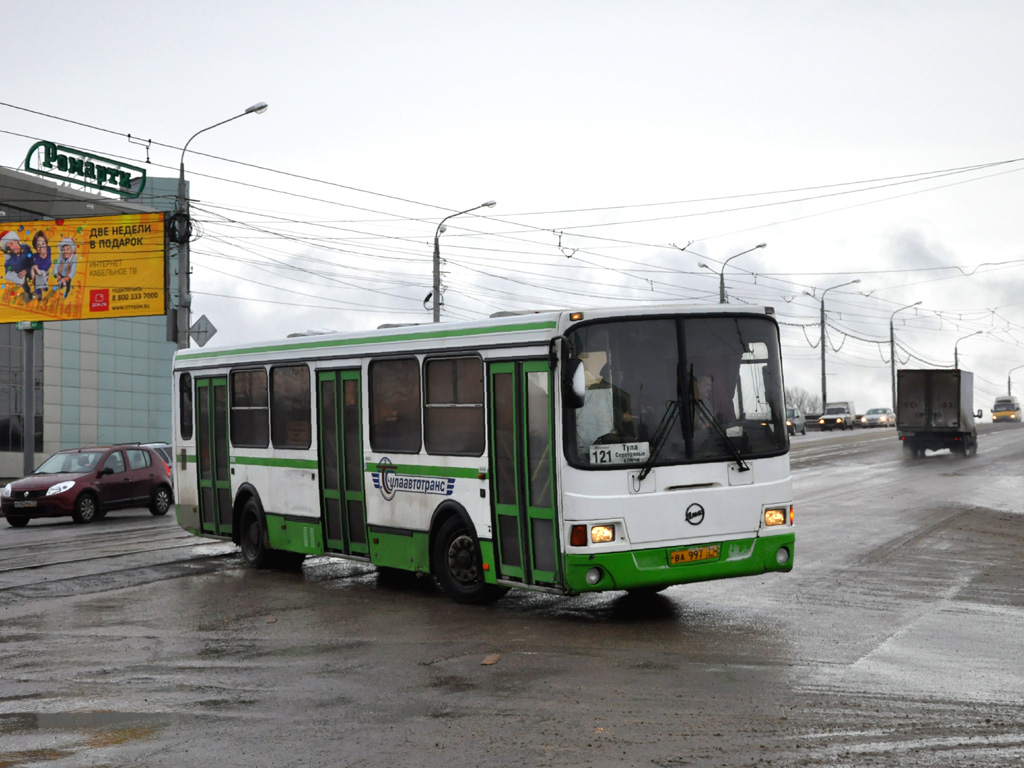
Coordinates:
<point>103,728</point>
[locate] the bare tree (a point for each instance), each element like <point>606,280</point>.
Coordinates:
<point>799,397</point>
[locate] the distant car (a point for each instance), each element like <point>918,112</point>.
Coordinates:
<point>1006,408</point>
<point>164,449</point>
<point>836,417</point>
<point>166,453</point>
<point>86,483</point>
<point>878,417</point>
<point>795,421</point>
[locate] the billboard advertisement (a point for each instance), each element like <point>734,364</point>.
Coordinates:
<point>82,269</point>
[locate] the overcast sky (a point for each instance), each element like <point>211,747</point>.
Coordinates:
<point>625,145</point>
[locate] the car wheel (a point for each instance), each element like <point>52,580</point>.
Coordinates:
<point>803,431</point>
<point>457,565</point>
<point>17,521</point>
<point>255,552</point>
<point>161,501</point>
<point>85,509</point>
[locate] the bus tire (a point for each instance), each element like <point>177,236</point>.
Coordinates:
<point>458,566</point>
<point>251,537</point>
<point>287,561</point>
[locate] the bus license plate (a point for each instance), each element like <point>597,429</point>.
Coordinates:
<point>693,554</point>
<point>20,504</point>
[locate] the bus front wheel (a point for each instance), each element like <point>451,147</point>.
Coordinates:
<point>458,566</point>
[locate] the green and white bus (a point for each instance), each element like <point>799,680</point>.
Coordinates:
<point>569,452</point>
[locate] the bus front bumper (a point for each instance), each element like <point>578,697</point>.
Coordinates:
<point>652,568</point>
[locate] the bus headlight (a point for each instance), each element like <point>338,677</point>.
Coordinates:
<point>775,516</point>
<point>782,555</point>
<point>602,534</point>
<point>594,576</point>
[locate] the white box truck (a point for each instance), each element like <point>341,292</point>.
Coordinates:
<point>934,410</point>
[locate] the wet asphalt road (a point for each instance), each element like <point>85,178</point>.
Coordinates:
<point>897,640</point>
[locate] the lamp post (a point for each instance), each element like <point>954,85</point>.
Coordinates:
<point>437,254</point>
<point>824,387</point>
<point>892,350</point>
<point>180,227</point>
<point>721,275</point>
<point>1008,392</point>
<point>956,355</point>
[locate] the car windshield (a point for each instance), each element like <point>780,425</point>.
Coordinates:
<point>877,411</point>
<point>1004,405</point>
<point>835,409</point>
<point>677,390</point>
<point>78,462</point>
<point>790,413</point>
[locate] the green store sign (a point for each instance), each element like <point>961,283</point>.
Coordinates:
<point>67,164</point>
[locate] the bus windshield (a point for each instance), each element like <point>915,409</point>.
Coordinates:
<point>677,390</point>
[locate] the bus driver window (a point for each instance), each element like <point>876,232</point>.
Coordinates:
<point>605,412</point>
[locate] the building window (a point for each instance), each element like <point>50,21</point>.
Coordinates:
<point>395,405</point>
<point>250,425</point>
<point>454,409</point>
<point>12,383</point>
<point>290,424</point>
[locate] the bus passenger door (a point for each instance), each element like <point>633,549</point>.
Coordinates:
<point>213,464</point>
<point>340,437</point>
<point>522,472</point>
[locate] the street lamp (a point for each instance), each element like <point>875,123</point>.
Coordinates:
<point>892,351</point>
<point>721,275</point>
<point>1008,392</point>
<point>180,227</point>
<point>956,356</point>
<point>437,254</point>
<point>824,388</point>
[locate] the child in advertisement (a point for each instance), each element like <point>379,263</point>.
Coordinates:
<point>40,266</point>
<point>67,263</point>
<point>17,259</point>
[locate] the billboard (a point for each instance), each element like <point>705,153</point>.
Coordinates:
<point>83,269</point>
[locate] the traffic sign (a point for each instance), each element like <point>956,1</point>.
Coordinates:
<point>202,331</point>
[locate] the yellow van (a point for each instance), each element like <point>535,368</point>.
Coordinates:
<point>1006,408</point>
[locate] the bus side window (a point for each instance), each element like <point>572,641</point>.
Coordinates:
<point>250,422</point>
<point>290,425</point>
<point>185,405</point>
<point>454,420</point>
<point>395,405</point>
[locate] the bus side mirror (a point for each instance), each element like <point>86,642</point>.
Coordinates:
<point>574,383</point>
<point>979,414</point>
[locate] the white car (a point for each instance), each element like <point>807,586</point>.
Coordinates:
<point>878,417</point>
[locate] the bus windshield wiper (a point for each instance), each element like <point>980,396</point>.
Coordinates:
<point>660,437</point>
<point>718,429</point>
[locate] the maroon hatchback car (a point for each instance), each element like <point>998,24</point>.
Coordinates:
<point>86,483</point>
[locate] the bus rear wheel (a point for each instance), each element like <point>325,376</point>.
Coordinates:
<point>255,552</point>
<point>458,566</point>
